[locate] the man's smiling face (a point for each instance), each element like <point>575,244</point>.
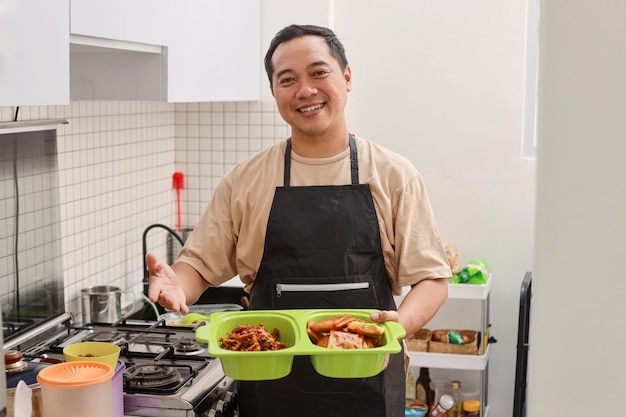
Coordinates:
<point>309,86</point>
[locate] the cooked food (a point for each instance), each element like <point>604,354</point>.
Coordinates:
<point>344,340</point>
<point>247,338</point>
<point>345,332</point>
<point>365,328</point>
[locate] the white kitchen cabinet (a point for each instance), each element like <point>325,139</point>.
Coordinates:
<point>215,52</point>
<point>142,21</point>
<point>34,52</point>
<point>149,21</point>
<point>479,362</point>
<point>98,18</point>
<point>190,51</point>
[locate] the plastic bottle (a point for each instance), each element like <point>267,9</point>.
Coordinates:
<point>445,403</point>
<point>410,386</point>
<point>422,387</point>
<point>455,392</point>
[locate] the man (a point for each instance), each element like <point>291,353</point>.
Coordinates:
<point>335,212</point>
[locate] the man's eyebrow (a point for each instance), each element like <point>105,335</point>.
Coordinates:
<point>310,66</point>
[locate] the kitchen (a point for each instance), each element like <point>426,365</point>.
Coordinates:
<point>116,159</point>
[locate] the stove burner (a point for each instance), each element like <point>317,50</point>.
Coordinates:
<point>151,376</point>
<point>188,347</point>
<point>110,336</point>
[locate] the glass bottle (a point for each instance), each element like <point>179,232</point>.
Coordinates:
<point>422,387</point>
<point>455,392</point>
<point>410,386</point>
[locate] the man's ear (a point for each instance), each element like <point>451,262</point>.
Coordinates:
<point>347,74</point>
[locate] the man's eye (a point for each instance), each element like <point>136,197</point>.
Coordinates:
<point>320,72</point>
<point>285,80</point>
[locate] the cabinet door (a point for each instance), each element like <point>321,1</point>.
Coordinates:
<point>98,18</point>
<point>148,21</point>
<point>215,53</point>
<point>141,21</point>
<point>34,52</point>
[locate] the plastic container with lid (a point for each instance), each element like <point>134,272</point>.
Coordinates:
<point>471,408</point>
<point>76,389</point>
<point>117,390</point>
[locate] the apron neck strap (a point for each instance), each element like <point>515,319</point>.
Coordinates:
<point>354,162</point>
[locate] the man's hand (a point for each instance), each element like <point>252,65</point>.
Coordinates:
<point>164,287</point>
<point>389,315</point>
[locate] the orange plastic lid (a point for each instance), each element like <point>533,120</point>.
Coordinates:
<point>471,405</point>
<point>75,374</point>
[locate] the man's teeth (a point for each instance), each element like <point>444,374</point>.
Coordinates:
<point>311,108</point>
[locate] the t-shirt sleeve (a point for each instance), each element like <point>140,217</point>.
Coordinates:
<point>210,248</point>
<point>419,250</point>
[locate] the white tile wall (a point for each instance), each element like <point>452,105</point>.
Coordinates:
<point>116,160</point>
<point>212,137</point>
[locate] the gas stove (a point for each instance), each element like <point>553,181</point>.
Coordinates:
<point>167,372</point>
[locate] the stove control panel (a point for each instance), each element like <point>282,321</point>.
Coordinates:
<point>226,406</point>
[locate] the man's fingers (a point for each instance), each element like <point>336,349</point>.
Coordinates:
<point>151,262</point>
<point>382,316</point>
<point>153,292</point>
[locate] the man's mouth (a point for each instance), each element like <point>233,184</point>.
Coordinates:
<point>311,108</point>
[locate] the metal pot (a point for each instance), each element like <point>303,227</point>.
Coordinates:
<point>103,304</point>
<point>17,370</point>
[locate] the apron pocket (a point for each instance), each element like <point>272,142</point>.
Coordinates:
<point>339,292</point>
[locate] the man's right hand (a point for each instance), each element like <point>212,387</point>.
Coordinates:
<point>163,287</point>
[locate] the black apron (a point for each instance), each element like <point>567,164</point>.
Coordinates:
<point>326,237</point>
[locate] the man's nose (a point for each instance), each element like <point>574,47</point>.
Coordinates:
<point>306,90</point>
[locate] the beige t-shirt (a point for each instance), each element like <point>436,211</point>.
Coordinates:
<point>230,236</point>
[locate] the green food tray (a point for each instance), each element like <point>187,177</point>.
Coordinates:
<point>292,325</point>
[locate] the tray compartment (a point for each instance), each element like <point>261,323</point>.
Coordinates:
<point>353,363</point>
<point>252,366</point>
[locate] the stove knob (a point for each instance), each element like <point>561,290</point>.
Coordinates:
<point>230,404</point>
<point>213,413</point>
<point>229,397</point>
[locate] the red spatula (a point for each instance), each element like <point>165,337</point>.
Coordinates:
<point>178,181</point>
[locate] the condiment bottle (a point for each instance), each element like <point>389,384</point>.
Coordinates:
<point>410,386</point>
<point>422,387</point>
<point>441,408</point>
<point>471,408</point>
<point>455,411</point>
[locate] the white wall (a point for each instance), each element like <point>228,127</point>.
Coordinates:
<point>577,335</point>
<point>443,83</point>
